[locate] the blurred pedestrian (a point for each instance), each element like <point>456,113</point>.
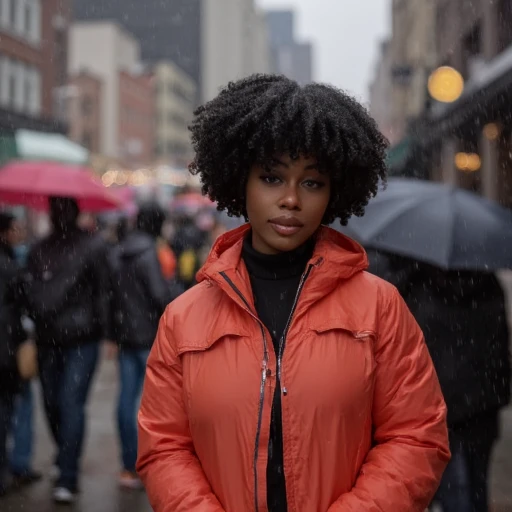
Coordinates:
<point>22,432</point>
<point>67,297</point>
<point>187,245</point>
<point>289,378</point>
<point>140,295</point>
<point>463,316</point>
<point>11,337</point>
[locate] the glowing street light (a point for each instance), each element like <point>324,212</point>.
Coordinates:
<point>446,84</point>
<point>468,162</point>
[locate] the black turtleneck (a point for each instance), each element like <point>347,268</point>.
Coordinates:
<point>275,280</point>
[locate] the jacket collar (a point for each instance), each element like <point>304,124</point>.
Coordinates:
<point>336,257</point>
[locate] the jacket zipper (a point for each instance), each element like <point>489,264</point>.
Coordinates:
<point>282,341</point>
<point>262,384</point>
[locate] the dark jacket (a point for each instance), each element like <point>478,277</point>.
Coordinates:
<point>66,288</point>
<point>11,330</point>
<point>140,293</point>
<point>463,317</point>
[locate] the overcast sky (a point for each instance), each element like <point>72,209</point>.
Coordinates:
<point>345,33</point>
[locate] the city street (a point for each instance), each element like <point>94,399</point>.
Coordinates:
<point>99,490</point>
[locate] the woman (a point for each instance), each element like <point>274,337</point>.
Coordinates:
<point>289,379</point>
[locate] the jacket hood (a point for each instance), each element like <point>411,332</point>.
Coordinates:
<point>335,255</point>
<point>135,244</point>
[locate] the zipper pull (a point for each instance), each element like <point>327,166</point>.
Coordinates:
<point>285,391</point>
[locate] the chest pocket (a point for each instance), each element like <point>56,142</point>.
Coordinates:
<point>338,361</point>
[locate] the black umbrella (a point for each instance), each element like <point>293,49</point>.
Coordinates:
<point>437,224</point>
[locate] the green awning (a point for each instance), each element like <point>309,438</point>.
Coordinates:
<point>32,145</point>
<point>398,154</point>
<point>7,148</point>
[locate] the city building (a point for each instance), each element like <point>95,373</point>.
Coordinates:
<point>166,30</point>
<point>136,121</point>
<point>288,56</point>
<point>381,90</point>
<point>175,94</point>
<point>33,55</point>
<point>212,41</point>
<point>84,109</point>
<point>234,43</point>
<point>475,39</point>
<point>412,52</point>
<point>110,53</point>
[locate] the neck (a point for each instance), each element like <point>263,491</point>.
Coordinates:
<point>277,266</point>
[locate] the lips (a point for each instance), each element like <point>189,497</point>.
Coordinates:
<point>286,226</point>
<point>291,222</point>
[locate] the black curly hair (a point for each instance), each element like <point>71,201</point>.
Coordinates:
<point>255,119</point>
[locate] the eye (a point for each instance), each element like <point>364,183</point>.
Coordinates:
<point>269,179</point>
<point>313,184</point>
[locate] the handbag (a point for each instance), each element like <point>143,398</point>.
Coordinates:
<point>26,359</point>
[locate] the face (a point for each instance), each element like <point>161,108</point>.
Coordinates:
<point>16,234</point>
<point>286,203</point>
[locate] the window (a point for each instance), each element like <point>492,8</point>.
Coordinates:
<point>20,87</point>
<point>22,17</point>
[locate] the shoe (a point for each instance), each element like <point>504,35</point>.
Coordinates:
<point>130,480</point>
<point>63,495</point>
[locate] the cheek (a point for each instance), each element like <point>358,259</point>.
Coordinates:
<point>319,205</point>
<point>256,201</point>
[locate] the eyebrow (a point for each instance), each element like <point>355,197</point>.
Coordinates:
<point>309,167</point>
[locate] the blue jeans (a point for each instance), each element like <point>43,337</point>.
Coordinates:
<point>6,408</point>
<point>132,368</point>
<point>22,431</point>
<point>66,376</point>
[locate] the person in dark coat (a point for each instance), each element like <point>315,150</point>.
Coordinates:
<point>66,293</point>
<point>140,294</point>
<point>11,336</point>
<point>463,317</point>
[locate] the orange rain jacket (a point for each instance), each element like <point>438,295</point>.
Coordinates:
<point>364,425</point>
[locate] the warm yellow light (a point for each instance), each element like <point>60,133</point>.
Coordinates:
<point>121,178</point>
<point>468,162</point>
<point>461,161</point>
<point>108,178</point>
<point>446,84</point>
<point>491,131</point>
<point>474,162</point>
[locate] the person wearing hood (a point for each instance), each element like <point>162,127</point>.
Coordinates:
<point>66,294</point>
<point>140,294</point>
<point>463,315</point>
<point>289,378</point>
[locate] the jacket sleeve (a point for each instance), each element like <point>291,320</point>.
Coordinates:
<point>167,463</point>
<point>410,451</point>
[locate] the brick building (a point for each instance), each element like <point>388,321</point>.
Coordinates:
<point>136,127</point>
<point>84,110</point>
<point>33,53</point>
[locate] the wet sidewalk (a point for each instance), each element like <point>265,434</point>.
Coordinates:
<point>100,466</point>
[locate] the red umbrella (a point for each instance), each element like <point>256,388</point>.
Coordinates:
<point>32,183</point>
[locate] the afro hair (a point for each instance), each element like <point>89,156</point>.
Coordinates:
<point>254,120</point>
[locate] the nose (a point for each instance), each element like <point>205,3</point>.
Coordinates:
<point>290,200</point>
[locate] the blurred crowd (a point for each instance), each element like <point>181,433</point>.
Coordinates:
<point>93,280</point>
